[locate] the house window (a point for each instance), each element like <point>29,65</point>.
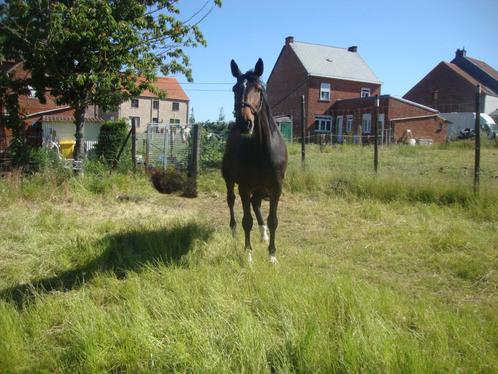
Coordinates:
<point>349,123</point>
<point>134,103</point>
<point>155,120</point>
<point>32,92</point>
<point>175,107</point>
<point>366,123</point>
<point>365,92</point>
<point>155,104</point>
<point>135,121</point>
<point>174,121</point>
<point>323,123</point>
<point>324,91</point>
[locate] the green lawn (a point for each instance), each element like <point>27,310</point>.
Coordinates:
<point>389,273</point>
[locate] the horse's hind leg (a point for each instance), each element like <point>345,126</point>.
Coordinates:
<point>231,203</point>
<point>256,207</point>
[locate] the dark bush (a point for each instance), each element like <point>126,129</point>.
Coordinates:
<point>169,181</point>
<point>111,138</point>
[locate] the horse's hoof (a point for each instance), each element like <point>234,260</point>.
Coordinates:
<point>273,260</point>
<point>263,232</point>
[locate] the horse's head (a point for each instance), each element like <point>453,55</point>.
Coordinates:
<point>248,91</point>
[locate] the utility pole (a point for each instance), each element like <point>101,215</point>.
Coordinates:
<point>303,125</point>
<point>477,130</point>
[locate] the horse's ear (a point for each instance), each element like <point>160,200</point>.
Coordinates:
<point>235,69</point>
<point>258,69</point>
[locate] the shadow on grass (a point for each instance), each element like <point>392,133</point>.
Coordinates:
<point>122,252</point>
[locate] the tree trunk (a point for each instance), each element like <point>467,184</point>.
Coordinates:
<point>79,148</point>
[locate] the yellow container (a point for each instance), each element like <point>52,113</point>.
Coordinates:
<point>67,148</point>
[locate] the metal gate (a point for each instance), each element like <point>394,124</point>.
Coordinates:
<point>167,146</point>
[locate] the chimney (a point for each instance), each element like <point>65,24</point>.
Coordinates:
<point>289,39</point>
<point>461,52</point>
<point>353,48</point>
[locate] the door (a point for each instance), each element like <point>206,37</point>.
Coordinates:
<point>286,130</point>
<point>339,129</point>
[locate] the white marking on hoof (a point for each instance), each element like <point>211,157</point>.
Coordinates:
<point>263,232</point>
<point>234,232</point>
<point>249,257</point>
<point>273,260</point>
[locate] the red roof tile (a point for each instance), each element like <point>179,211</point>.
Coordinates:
<point>173,89</point>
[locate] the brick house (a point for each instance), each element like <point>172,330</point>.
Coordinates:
<point>339,89</point>
<point>450,86</point>
<point>399,120</point>
<point>323,74</point>
<point>149,108</point>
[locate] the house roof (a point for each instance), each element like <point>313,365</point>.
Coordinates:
<point>174,90</point>
<point>60,118</point>
<point>62,114</point>
<point>468,77</point>
<point>484,67</point>
<point>332,62</point>
<point>7,66</point>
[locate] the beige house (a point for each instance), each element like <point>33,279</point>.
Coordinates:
<point>148,108</point>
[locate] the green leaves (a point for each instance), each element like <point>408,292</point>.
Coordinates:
<point>94,52</point>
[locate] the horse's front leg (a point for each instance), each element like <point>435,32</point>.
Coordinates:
<point>231,203</point>
<point>273,223</point>
<point>245,196</point>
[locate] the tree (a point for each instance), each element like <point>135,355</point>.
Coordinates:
<point>191,119</point>
<point>87,52</point>
<point>221,116</point>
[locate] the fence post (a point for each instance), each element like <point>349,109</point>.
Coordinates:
<point>303,124</point>
<point>133,145</point>
<point>193,167</point>
<point>147,146</point>
<point>477,129</point>
<point>376,134</point>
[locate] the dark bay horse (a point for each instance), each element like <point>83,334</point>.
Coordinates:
<point>255,157</point>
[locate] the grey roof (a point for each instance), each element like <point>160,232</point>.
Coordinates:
<point>332,62</point>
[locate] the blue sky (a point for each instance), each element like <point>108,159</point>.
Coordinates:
<point>401,41</point>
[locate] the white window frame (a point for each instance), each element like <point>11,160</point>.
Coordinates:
<point>349,123</point>
<point>155,104</point>
<point>365,92</point>
<point>174,121</point>
<point>135,99</point>
<point>323,124</point>
<point>366,123</point>
<point>325,91</point>
<point>173,106</point>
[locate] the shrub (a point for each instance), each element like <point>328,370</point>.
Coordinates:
<point>111,138</point>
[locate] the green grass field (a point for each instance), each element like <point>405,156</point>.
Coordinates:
<point>394,273</point>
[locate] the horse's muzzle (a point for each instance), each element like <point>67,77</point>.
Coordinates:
<point>248,127</point>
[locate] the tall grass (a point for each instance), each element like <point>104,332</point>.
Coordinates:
<point>408,174</point>
<point>395,272</point>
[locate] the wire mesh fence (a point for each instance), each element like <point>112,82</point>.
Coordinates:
<point>163,146</point>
